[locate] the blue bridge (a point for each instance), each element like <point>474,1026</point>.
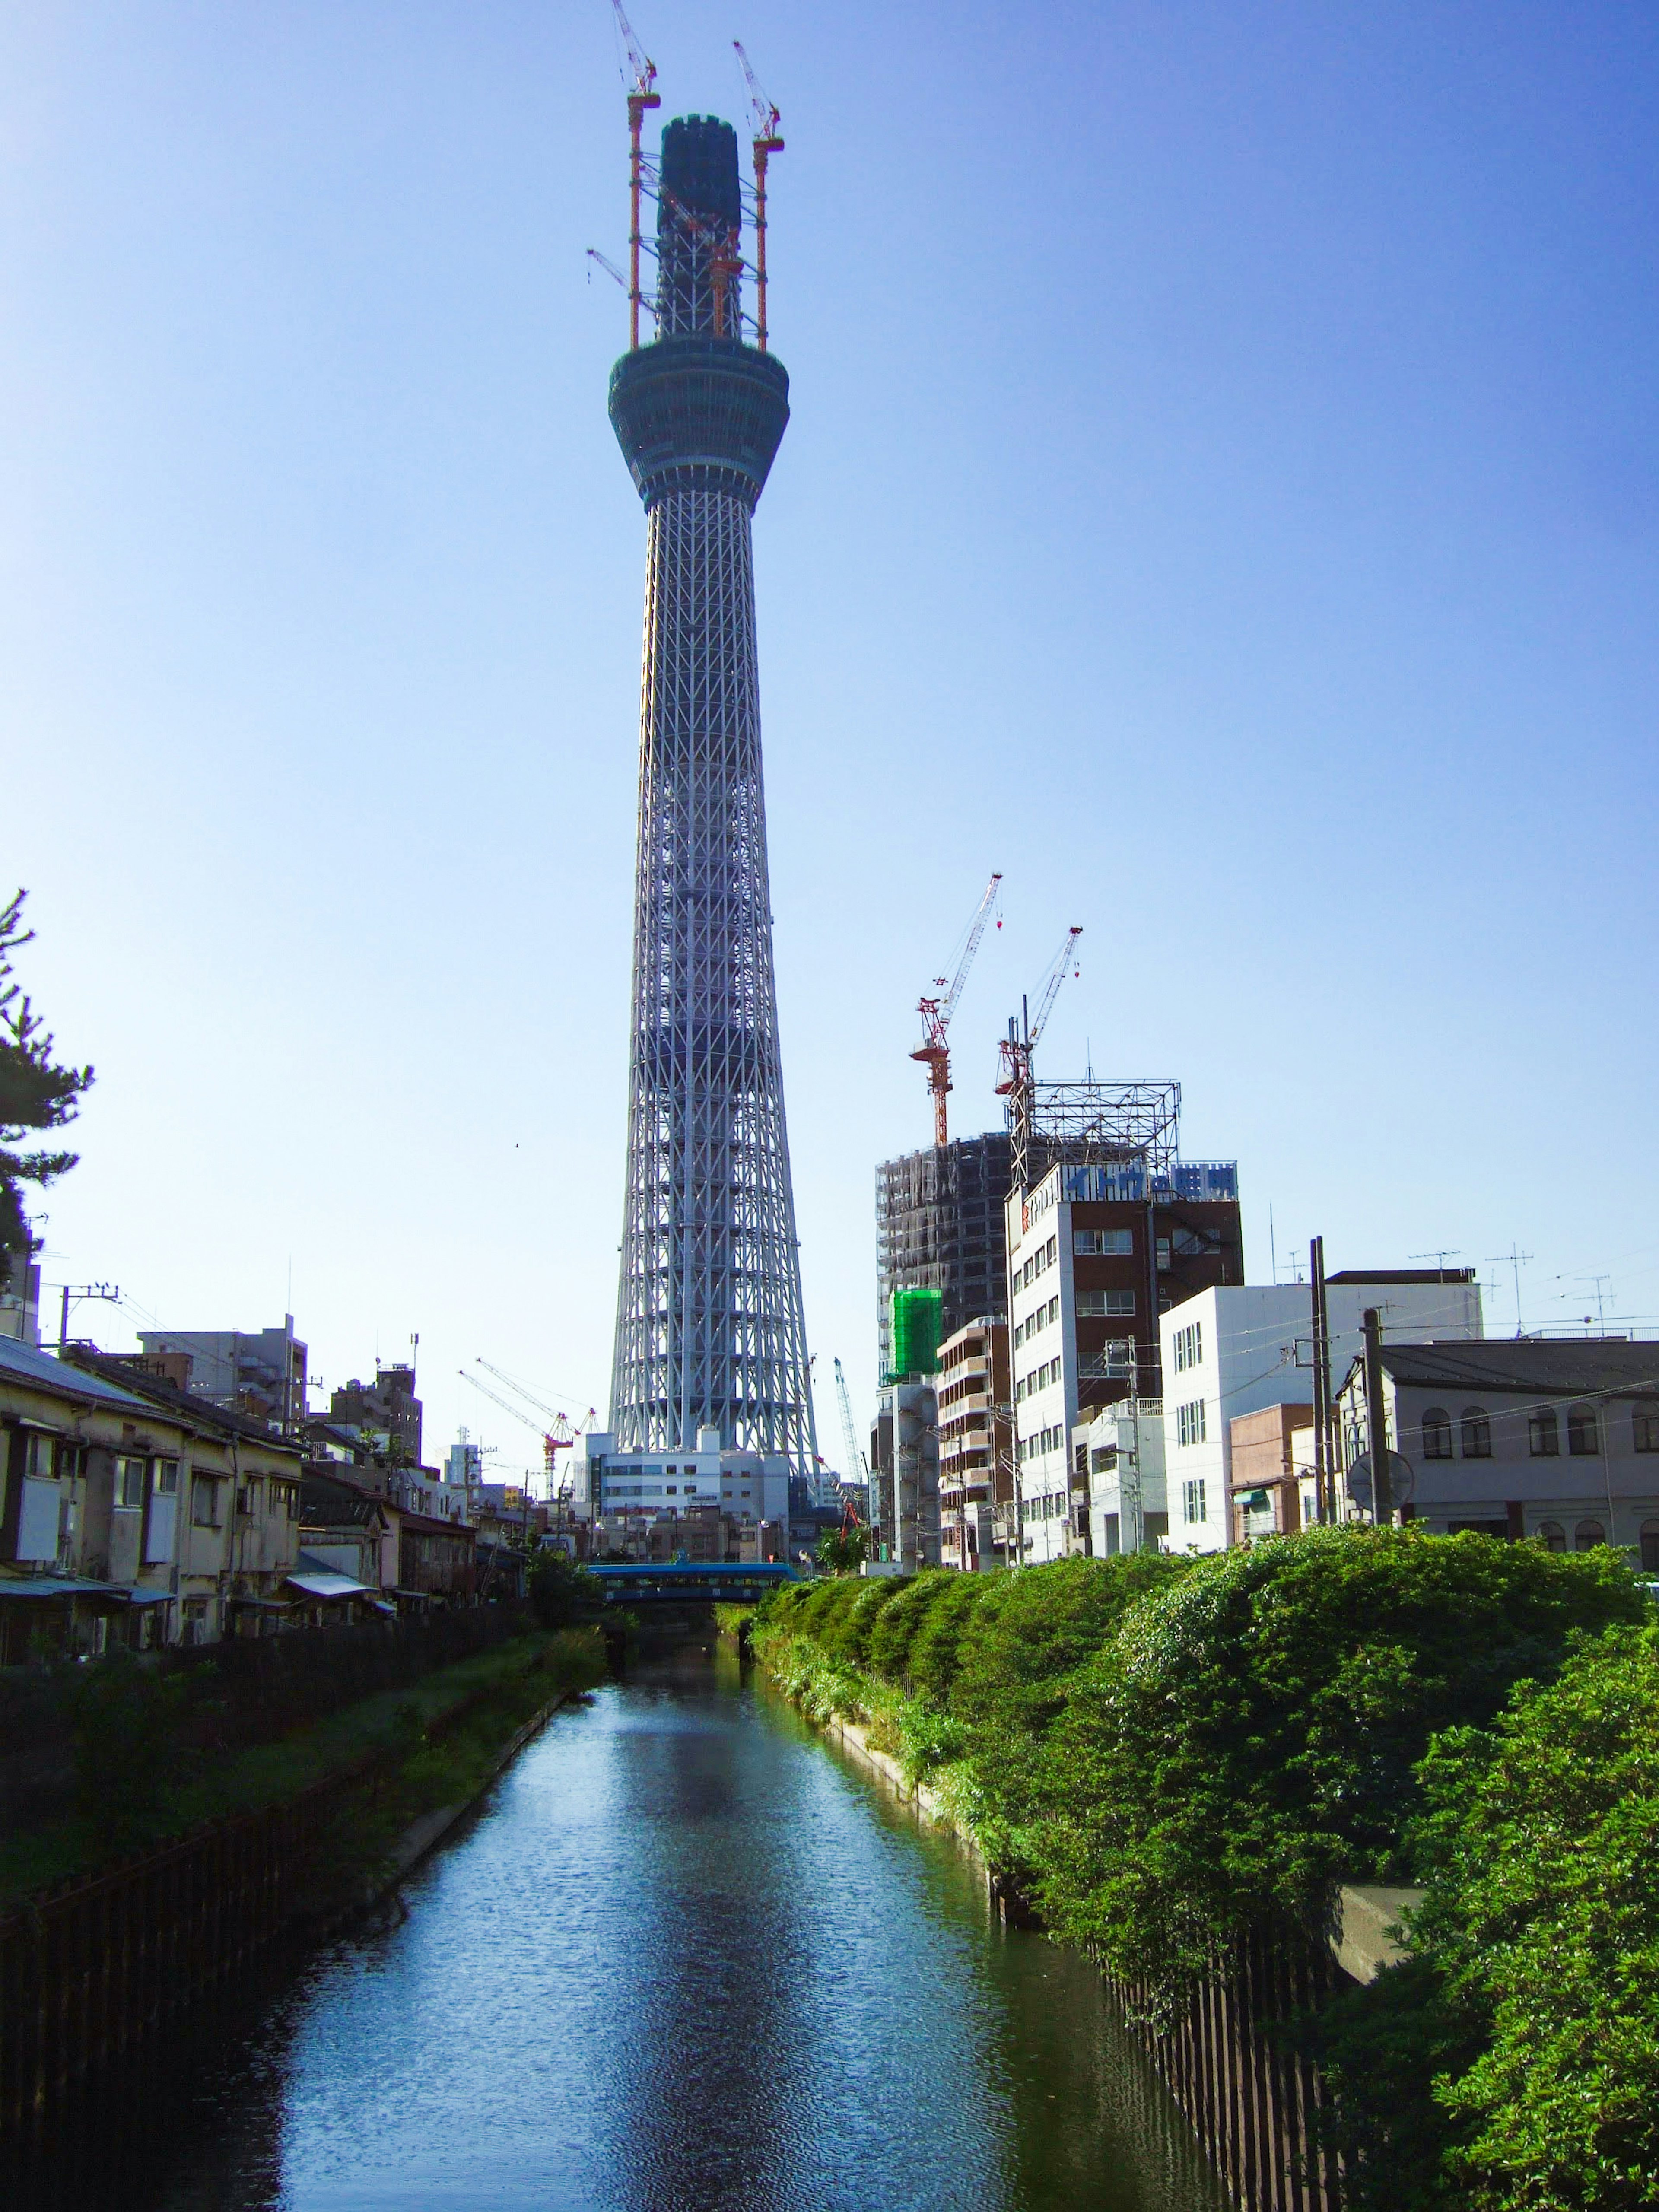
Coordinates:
<point>685,1583</point>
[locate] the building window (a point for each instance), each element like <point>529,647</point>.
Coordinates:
<point>1650,1542</point>
<point>1053,1313</point>
<point>1194,1509</point>
<point>1189,1422</point>
<point>1582,1440</point>
<point>1188,1346</point>
<point>204,1501</point>
<point>1543,1433</point>
<point>1552,1535</point>
<point>1104,1243</point>
<point>129,1480</point>
<point>1586,1536</point>
<point>1436,1433</point>
<point>1477,1433</point>
<point>1644,1423</point>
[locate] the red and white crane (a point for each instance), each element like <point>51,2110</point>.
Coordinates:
<point>933,1051</point>
<point>640,96</point>
<point>764,115</point>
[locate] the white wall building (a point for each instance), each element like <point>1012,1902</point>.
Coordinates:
<point>1235,1351</point>
<point>606,1481</point>
<point>1128,1504</point>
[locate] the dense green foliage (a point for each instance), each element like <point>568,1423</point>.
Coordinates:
<point>561,1591</point>
<point>1250,1739</point>
<point>35,1093</point>
<point>1171,1756</point>
<point>843,1551</point>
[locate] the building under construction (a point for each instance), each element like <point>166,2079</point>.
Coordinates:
<point>939,1227</point>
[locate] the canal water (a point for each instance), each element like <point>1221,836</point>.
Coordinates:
<point>687,1958</point>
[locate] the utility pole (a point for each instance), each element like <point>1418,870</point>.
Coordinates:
<point>1376,1420</point>
<point>1324,1473</point>
<point>73,1294</point>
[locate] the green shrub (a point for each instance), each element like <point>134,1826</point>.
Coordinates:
<point>1542,1845</point>
<point>1250,1738</point>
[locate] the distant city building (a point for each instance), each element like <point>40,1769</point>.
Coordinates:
<point>976,1447</point>
<point>465,1464</point>
<point>1097,1251</point>
<point>939,1226</point>
<point>386,1411</point>
<point>1234,1350</point>
<point>19,1296</point>
<point>620,1495</point>
<point>1514,1437</point>
<point>258,1373</point>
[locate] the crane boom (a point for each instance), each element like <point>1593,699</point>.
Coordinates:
<point>857,1467</point>
<point>644,69</point>
<point>513,1384</point>
<point>1051,988</point>
<point>933,1052</point>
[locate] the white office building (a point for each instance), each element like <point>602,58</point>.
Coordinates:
<point>1228,1352</point>
<point>653,1485</point>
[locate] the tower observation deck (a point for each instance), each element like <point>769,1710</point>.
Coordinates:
<point>710,1332</point>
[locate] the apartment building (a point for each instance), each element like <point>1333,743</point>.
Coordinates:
<point>1096,1253</point>
<point>1237,1349</point>
<point>976,1447</point>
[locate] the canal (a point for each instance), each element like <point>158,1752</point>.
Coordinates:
<point>688,1958</point>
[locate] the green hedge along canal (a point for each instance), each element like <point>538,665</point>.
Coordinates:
<point>687,1958</point>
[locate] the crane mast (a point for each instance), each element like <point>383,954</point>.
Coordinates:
<point>639,98</point>
<point>764,114</point>
<point>1015,1082</point>
<point>936,1011</point>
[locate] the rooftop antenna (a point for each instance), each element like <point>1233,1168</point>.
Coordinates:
<point>1516,1259</point>
<point>639,98</point>
<point>764,115</point>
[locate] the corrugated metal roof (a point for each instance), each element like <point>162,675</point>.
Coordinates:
<point>45,1371</point>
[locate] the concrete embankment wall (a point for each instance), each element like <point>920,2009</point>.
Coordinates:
<point>90,1969</point>
<point>1252,2101</point>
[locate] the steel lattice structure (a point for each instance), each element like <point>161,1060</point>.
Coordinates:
<point>710,1331</point>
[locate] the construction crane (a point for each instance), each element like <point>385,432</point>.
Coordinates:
<point>766,142</point>
<point>639,98</point>
<point>857,1467</point>
<point>513,1383</point>
<point>1015,1080</point>
<point>552,1443</point>
<point>608,266</point>
<point>933,1051</point>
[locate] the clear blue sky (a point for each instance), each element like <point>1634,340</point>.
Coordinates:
<point>1223,494</point>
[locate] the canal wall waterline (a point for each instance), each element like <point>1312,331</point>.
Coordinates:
<point>1253,2103</point>
<point>89,1972</point>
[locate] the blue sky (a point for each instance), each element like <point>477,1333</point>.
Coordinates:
<point>1223,493</point>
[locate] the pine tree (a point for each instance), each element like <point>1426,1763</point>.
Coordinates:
<point>35,1093</point>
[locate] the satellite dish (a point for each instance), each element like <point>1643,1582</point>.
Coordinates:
<point>1402,1480</point>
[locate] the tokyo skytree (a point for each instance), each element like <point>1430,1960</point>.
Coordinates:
<point>710,1332</point>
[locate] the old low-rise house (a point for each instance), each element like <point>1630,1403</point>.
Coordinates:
<point>91,1479</point>
<point>1556,1440</point>
<point>234,1515</point>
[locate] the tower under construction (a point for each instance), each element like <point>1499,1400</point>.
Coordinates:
<point>710,1333</point>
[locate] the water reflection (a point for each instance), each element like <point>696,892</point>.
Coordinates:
<point>687,1960</point>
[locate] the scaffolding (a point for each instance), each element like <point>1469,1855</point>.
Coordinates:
<point>1091,1124</point>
